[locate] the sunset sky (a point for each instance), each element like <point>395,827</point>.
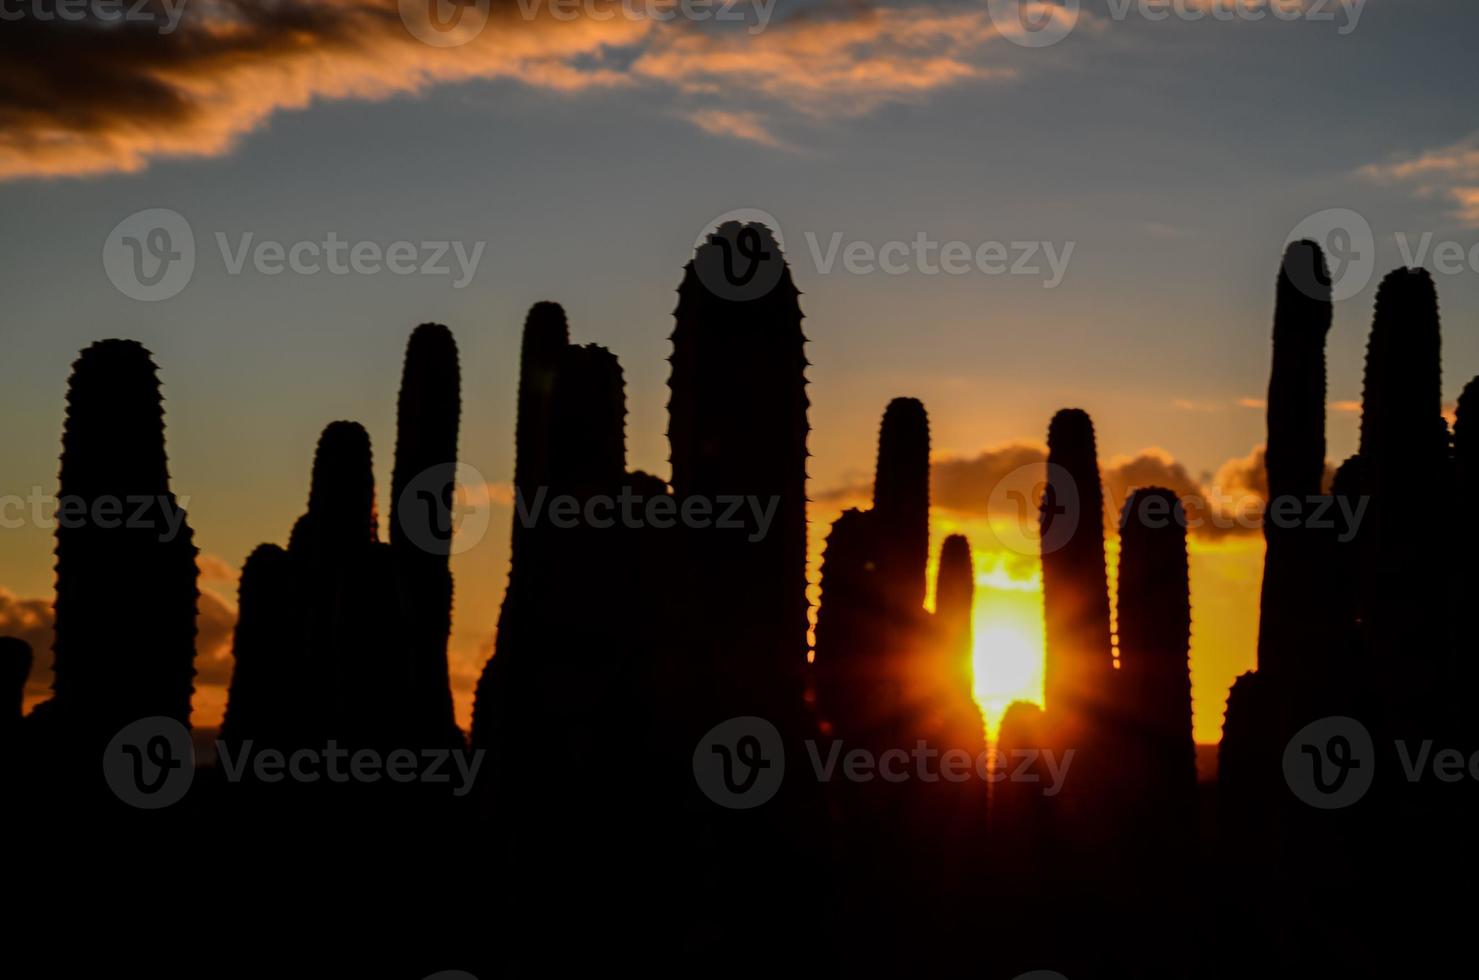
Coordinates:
<point>1176,156</point>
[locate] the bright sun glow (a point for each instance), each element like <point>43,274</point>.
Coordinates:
<point>1007,620</point>
<point>1008,660</point>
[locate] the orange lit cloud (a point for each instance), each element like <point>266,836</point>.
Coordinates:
<point>1005,482</point>
<point>1450,173</point>
<point>83,98</point>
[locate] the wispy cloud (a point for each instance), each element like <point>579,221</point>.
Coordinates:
<point>83,98</point>
<point>1450,173</point>
<point>749,126</point>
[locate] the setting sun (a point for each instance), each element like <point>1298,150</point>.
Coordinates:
<point>1008,652</point>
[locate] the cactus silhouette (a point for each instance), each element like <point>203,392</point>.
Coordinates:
<point>340,635</point>
<point>737,426</point>
<point>955,592</point>
<point>125,588</point>
<point>548,663</point>
<point>15,667</point>
<point>1154,624</point>
<point>268,701</point>
<point>871,629</point>
<point>421,515</point>
<point>546,335</point>
<point>1079,658</point>
<point>1021,816</point>
<point>1296,556</point>
<point>856,689</point>
<point>901,501</point>
<point>1403,457</point>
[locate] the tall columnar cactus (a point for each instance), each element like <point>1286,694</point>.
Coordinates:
<point>901,501</point>
<point>1020,811</point>
<point>1079,663</point>
<point>126,589</point>
<point>738,426</point>
<point>15,667</point>
<point>1248,763</point>
<point>1403,455</point>
<point>269,700</point>
<point>855,688</point>
<point>421,491</point>
<point>1155,644</point>
<point>955,593</point>
<point>587,423</point>
<point>1466,443</point>
<point>546,335</point>
<point>341,519</point>
<point>331,548</point>
<point>1464,578</point>
<point>1296,555</point>
<point>571,444</point>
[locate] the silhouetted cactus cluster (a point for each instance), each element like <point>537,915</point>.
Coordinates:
<point>871,627</point>
<point>1369,616</point>
<point>342,636</point>
<point>574,643</point>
